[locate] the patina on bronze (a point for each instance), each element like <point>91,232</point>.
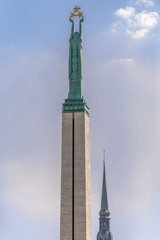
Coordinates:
<point>75,100</point>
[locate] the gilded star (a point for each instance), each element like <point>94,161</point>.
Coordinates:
<point>80,14</point>
<point>73,15</point>
<point>76,9</point>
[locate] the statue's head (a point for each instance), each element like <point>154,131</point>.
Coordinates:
<point>76,35</point>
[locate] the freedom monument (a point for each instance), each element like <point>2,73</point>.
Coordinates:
<point>75,222</point>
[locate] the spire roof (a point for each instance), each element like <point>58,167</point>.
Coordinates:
<point>104,220</point>
<point>104,199</point>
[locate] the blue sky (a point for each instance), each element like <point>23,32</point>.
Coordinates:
<point>121,84</point>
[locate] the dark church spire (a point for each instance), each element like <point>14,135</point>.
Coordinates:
<point>104,198</point>
<point>104,220</point>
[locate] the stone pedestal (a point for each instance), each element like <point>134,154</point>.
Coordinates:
<point>75,177</point>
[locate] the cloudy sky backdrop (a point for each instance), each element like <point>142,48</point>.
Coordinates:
<point>121,84</point>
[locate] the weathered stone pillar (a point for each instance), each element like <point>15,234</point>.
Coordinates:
<point>75,180</point>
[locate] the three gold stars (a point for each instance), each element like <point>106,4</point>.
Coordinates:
<point>76,10</point>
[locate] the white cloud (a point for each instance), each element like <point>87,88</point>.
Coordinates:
<point>139,33</point>
<point>122,60</point>
<point>137,24</point>
<point>146,19</point>
<point>147,3</point>
<point>126,13</point>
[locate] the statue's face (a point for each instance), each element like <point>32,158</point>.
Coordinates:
<point>76,35</point>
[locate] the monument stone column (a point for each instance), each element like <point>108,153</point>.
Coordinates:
<point>75,162</point>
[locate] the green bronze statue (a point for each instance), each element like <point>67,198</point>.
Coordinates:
<point>75,101</point>
<point>75,62</point>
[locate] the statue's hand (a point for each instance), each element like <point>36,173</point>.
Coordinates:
<point>82,19</point>
<point>71,20</point>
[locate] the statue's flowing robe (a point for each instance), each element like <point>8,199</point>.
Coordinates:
<point>75,76</point>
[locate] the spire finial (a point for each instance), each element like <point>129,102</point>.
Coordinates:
<point>104,153</point>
